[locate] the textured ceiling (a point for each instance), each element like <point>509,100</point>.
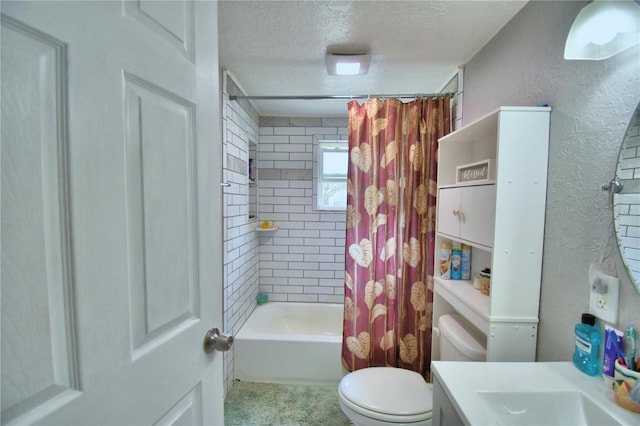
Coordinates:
<point>279,47</point>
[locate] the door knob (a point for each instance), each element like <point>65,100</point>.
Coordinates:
<point>214,340</point>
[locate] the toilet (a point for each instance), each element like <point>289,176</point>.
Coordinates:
<point>378,396</point>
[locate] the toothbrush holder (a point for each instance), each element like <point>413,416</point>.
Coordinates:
<point>626,386</point>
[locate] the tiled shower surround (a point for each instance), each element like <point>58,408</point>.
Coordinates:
<point>241,250</point>
<point>304,259</point>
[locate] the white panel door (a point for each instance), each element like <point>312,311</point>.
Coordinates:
<point>111,220</point>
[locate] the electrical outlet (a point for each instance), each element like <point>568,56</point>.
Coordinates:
<point>604,305</point>
<point>601,302</point>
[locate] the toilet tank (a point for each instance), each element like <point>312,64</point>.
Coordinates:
<point>459,341</point>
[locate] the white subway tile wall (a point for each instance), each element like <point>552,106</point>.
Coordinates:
<point>303,261</point>
<point>241,249</point>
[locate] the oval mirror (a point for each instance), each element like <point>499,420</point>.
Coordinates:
<point>626,203</point>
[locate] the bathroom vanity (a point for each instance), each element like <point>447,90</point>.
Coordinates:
<point>522,393</point>
<point>492,182</point>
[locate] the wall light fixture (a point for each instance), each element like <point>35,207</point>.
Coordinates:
<point>603,29</point>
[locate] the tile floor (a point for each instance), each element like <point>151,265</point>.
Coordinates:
<point>251,404</point>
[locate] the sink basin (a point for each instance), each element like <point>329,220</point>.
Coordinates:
<point>544,408</point>
<point>524,393</point>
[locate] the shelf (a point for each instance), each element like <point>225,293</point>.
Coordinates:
<point>458,185</point>
<point>479,140</point>
<point>252,179</point>
<point>463,241</point>
<point>502,220</point>
<point>465,299</point>
<point>259,229</point>
<point>486,125</point>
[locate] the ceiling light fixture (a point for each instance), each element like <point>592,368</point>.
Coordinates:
<point>603,29</point>
<point>348,64</point>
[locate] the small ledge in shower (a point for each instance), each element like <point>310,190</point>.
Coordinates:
<point>270,229</point>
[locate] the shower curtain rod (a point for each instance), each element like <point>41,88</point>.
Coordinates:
<point>319,97</point>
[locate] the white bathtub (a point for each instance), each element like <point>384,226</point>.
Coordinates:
<point>290,342</point>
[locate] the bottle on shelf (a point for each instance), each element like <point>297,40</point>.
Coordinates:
<point>445,260</point>
<point>252,173</point>
<point>465,262</point>
<point>456,260</point>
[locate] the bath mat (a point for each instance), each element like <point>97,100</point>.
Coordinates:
<point>284,405</point>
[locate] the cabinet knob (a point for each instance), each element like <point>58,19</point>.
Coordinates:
<point>459,214</point>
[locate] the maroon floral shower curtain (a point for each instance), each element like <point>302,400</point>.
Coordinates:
<point>390,234</point>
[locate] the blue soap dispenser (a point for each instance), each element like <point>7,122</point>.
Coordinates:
<point>588,341</point>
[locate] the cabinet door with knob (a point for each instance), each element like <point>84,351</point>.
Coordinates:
<point>467,213</point>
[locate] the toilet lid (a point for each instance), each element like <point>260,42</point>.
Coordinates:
<point>389,391</point>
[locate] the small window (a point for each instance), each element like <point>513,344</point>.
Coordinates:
<point>333,160</point>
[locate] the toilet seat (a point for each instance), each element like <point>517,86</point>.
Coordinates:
<point>370,392</point>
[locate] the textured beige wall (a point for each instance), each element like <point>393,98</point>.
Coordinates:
<point>592,105</point>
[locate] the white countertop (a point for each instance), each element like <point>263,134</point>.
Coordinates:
<point>463,383</point>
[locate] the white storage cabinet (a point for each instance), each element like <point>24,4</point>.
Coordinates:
<point>468,213</point>
<point>502,219</point>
